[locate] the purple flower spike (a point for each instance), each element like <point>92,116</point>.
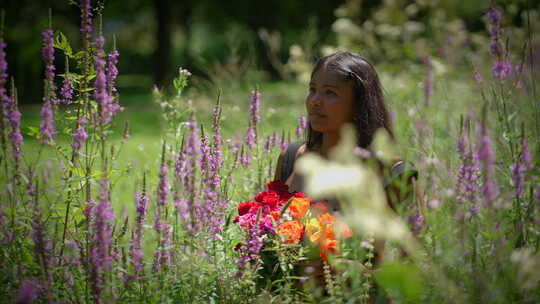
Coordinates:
<point>163,187</point>
<point>86,19</point>
<point>251,137</point>
<point>47,123</point>
<point>67,90</point>
<point>28,292</point>
<point>100,257</point>
<point>48,57</point>
<point>521,167</point>
<point>255,106</point>
<point>487,159</point>
<point>135,249</point>
<point>112,70</point>
<point>80,135</point>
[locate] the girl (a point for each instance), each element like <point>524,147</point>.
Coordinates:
<point>345,88</point>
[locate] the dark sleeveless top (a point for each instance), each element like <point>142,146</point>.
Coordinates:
<point>401,171</point>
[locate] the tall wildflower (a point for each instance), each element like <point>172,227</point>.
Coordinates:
<point>251,136</point>
<point>8,108</point>
<point>520,168</point>
<point>42,246</point>
<point>112,70</point>
<point>100,257</point>
<point>267,144</point>
<point>249,251</point>
<point>86,19</point>
<point>502,66</point>
<point>486,156</point>
<point>15,135</point>
<point>79,136</point>
<point>47,113</point>
<point>217,146</point>
<point>302,125</point>
<point>67,86</point>
<point>467,178</point>
<point>135,249</point>
<point>102,90</point>
<point>162,254</point>
<point>5,100</point>
<point>255,109</point>
<point>187,173</point>
<point>428,81</point>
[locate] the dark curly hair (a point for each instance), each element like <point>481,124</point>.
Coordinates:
<point>369,106</point>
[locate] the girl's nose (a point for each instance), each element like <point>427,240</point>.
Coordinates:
<point>314,100</point>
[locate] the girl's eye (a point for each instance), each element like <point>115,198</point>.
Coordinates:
<point>311,90</point>
<point>330,92</point>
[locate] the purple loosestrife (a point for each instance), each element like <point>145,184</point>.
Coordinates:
<point>66,91</point>
<point>486,156</point>
<point>520,168</point>
<point>302,125</point>
<point>48,58</point>
<point>251,136</point>
<point>249,251</point>
<point>67,87</point>
<point>135,248</point>
<point>244,157</point>
<point>86,19</point>
<point>205,155</point>
<point>112,70</point>
<point>255,106</point>
<point>79,136</point>
<point>283,142</point>
<point>502,66</point>
<point>163,186</point>
<point>5,100</point>
<point>416,221</point>
<point>15,135</point>
<point>100,257</point>
<point>47,113</point>
<point>47,123</point>
<point>217,145</point>
<point>101,93</point>
<point>267,144</point>
<point>467,179</point>
<point>428,81</point>
<point>478,77</point>
<point>28,292</point>
<point>192,155</point>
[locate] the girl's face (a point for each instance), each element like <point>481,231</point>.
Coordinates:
<point>329,102</point>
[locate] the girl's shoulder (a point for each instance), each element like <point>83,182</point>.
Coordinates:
<point>290,154</point>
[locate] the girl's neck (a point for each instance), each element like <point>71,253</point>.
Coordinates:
<point>329,141</point>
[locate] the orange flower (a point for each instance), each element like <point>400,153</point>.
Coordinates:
<point>298,207</point>
<point>326,245</point>
<point>343,231</point>
<point>275,215</point>
<point>326,219</point>
<point>292,231</point>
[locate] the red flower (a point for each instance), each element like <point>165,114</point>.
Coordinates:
<point>244,207</point>
<point>299,194</point>
<point>278,187</point>
<point>271,199</point>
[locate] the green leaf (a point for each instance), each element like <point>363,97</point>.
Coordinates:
<point>403,278</point>
<point>62,43</point>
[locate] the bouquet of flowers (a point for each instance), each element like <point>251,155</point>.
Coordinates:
<point>279,218</point>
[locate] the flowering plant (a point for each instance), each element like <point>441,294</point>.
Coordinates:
<point>277,216</point>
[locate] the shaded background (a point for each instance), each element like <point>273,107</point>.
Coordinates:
<point>218,39</point>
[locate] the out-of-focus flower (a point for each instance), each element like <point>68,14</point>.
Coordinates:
<point>299,207</point>
<point>291,231</point>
